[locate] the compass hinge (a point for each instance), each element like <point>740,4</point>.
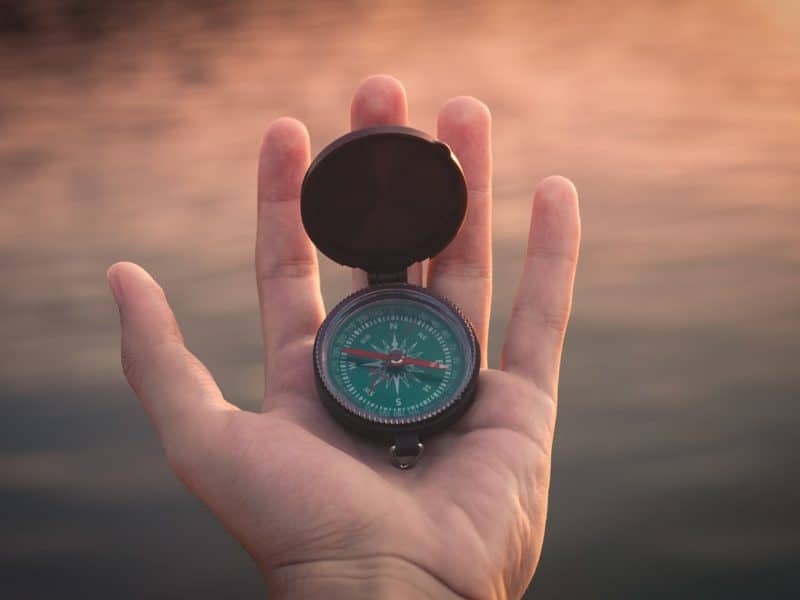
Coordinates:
<point>378,277</point>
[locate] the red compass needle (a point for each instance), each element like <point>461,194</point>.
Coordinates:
<point>424,363</point>
<point>399,359</point>
<point>366,353</point>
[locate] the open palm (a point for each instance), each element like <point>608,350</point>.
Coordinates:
<point>321,511</point>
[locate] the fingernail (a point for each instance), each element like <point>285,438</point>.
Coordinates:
<point>116,287</point>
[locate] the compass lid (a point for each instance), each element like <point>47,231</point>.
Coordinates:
<point>382,198</point>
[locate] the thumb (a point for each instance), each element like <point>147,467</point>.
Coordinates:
<point>174,387</point>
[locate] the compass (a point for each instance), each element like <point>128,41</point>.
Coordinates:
<point>393,362</point>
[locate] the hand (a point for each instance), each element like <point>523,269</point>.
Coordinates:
<point>324,513</point>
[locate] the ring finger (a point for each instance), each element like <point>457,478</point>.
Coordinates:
<point>462,272</point>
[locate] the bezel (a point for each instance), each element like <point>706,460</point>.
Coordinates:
<point>384,427</point>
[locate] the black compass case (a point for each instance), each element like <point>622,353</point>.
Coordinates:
<point>381,199</point>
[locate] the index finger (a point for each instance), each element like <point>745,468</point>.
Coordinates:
<point>286,261</point>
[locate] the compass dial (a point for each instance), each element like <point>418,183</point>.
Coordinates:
<point>396,355</point>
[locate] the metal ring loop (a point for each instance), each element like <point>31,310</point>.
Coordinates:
<point>403,461</point>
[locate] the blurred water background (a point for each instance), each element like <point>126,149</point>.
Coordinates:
<point>130,131</point>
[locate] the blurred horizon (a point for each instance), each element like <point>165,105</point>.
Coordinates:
<point>130,131</point>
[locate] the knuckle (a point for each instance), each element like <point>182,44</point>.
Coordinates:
<point>479,194</point>
<point>178,458</point>
<point>565,257</point>
<point>141,359</point>
<point>130,366</point>
<point>184,451</point>
<point>287,269</point>
<point>464,269</point>
<point>553,320</point>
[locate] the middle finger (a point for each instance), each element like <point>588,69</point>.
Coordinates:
<point>380,100</point>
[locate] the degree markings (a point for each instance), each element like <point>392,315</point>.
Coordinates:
<point>415,330</point>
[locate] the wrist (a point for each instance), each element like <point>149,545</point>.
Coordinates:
<point>377,577</point>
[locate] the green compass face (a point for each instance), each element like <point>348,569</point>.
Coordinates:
<point>397,357</point>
